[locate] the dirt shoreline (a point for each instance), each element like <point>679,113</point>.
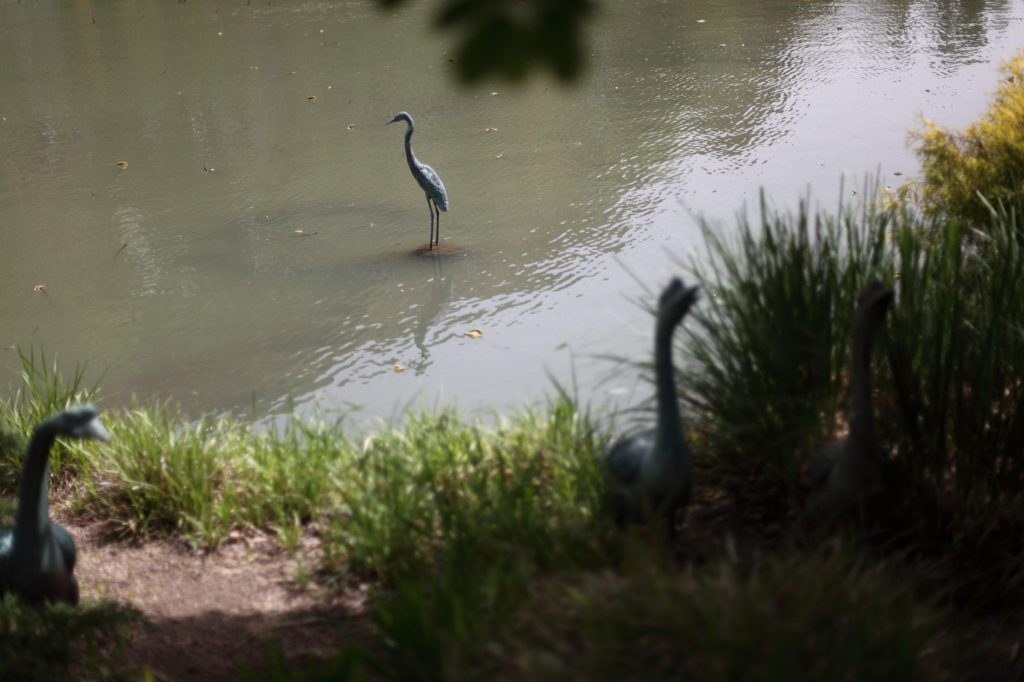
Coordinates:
<point>207,611</point>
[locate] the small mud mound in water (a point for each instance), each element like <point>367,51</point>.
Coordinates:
<point>439,250</point>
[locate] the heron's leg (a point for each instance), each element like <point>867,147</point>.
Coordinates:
<point>431,209</point>
<point>438,242</point>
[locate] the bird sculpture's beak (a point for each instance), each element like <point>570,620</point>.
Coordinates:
<point>93,429</point>
<point>391,121</point>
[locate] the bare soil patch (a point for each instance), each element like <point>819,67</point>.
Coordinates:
<point>208,611</point>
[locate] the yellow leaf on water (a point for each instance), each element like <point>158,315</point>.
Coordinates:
<point>39,287</point>
<point>312,98</point>
<point>122,164</point>
<point>399,368</point>
<point>475,333</point>
<point>352,126</point>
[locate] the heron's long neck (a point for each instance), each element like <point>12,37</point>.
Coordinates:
<point>409,156</point>
<point>33,510</point>
<point>862,415</point>
<point>669,433</point>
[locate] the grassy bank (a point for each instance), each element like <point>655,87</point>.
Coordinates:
<point>491,549</point>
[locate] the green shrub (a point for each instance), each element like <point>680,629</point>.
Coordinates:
<point>42,643</point>
<point>827,615</point>
<point>986,159</point>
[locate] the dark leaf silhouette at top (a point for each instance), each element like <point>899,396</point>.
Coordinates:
<point>509,38</point>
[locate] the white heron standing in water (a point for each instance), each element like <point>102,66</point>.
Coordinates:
<point>430,182</point>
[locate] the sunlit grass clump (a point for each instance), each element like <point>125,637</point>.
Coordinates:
<point>385,505</point>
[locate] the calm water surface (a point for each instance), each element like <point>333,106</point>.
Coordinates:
<point>185,276</point>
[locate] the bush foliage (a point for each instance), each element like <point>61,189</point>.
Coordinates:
<point>985,160</point>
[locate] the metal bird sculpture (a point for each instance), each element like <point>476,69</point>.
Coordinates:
<point>848,477</point>
<point>649,473</point>
<point>430,183</point>
<point>37,557</point>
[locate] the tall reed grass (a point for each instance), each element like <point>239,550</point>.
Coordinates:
<point>769,362</point>
<point>771,343</point>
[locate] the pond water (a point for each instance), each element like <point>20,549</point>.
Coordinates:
<point>184,274</point>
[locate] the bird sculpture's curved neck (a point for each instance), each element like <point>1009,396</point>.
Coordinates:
<point>862,414</point>
<point>669,436</point>
<point>33,503</point>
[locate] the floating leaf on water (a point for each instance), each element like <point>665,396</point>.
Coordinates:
<point>897,173</point>
<point>474,333</point>
<point>253,68</point>
<point>39,287</point>
<point>489,130</point>
<point>399,368</point>
<point>351,126</point>
<point>500,156</point>
<point>839,28</point>
<point>122,164</point>
<point>453,59</point>
<point>312,98</point>
<point>700,21</point>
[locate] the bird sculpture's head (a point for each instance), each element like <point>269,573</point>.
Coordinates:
<point>873,303</point>
<point>401,116</point>
<point>82,421</point>
<point>675,302</point>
